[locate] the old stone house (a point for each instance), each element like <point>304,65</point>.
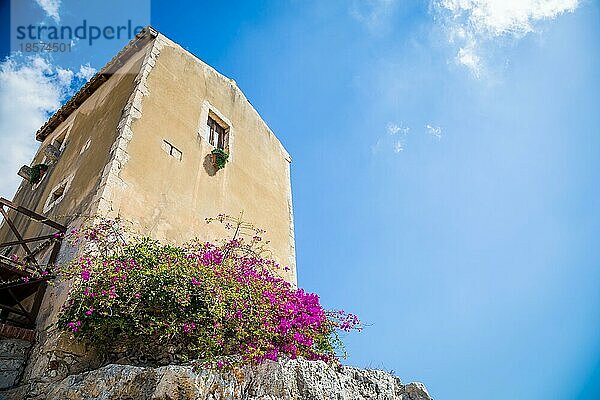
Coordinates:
<point>136,142</point>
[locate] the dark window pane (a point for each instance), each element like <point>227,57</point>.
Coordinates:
<point>217,135</point>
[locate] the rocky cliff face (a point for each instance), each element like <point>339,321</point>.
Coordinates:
<point>13,356</point>
<point>286,380</point>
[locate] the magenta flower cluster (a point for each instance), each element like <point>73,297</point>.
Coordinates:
<point>222,304</point>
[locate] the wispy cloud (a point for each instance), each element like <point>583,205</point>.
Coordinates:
<point>397,136</point>
<point>434,131</point>
<point>398,146</point>
<point>30,89</point>
<point>394,138</point>
<point>86,72</point>
<point>399,131</point>
<point>394,128</point>
<point>374,14</point>
<point>471,23</point>
<point>51,8</point>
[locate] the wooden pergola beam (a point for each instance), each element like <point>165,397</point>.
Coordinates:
<point>28,240</point>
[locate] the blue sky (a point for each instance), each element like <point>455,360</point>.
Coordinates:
<point>445,173</point>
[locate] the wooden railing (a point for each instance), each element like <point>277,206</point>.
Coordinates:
<point>23,280</point>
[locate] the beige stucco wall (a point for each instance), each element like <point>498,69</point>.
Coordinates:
<point>168,198</point>
<point>161,93</point>
<point>95,120</point>
<point>164,93</point>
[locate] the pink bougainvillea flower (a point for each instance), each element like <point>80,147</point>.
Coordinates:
<point>85,275</point>
<point>221,303</point>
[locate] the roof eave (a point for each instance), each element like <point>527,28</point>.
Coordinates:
<point>138,42</point>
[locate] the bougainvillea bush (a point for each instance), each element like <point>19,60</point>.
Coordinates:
<point>219,303</point>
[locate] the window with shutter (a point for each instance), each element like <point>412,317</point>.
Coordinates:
<point>218,135</point>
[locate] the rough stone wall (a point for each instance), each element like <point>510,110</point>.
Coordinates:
<point>13,356</point>
<point>283,380</point>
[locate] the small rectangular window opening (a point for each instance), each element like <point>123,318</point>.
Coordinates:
<point>218,136</point>
<point>58,193</point>
<point>59,142</point>
<point>172,150</point>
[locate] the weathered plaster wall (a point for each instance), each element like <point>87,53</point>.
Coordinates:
<point>95,120</point>
<point>56,354</point>
<point>170,198</point>
<point>161,93</point>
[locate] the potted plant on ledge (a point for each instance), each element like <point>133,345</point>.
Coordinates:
<point>219,158</point>
<point>37,172</point>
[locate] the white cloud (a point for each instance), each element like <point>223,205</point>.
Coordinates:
<point>394,139</point>
<point>393,129</point>
<point>397,137</point>
<point>434,130</point>
<point>398,146</point>
<point>473,22</point>
<point>30,89</point>
<point>467,56</point>
<point>374,14</point>
<point>64,76</point>
<point>51,8</point>
<point>86,72</point>
<point>499,17</point>
<point>399,130</point>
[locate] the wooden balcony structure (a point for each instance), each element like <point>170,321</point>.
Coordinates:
<point>23,280</point>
